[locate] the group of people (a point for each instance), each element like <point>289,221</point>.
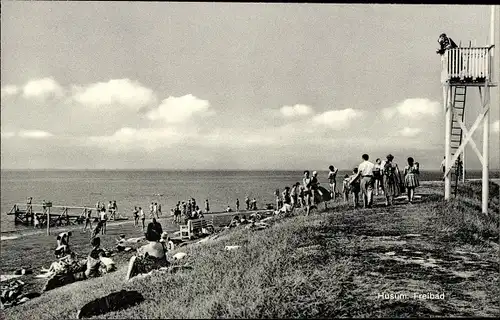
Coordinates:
<point>368,179</point>
<point>384,175</point>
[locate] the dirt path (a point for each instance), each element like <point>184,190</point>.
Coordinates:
<point>399,251</point>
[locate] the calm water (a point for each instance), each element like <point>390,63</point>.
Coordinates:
<point>130,188</point>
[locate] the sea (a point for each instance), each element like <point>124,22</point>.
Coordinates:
<point>141,187</point>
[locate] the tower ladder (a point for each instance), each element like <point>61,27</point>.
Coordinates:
<point>459,97</point>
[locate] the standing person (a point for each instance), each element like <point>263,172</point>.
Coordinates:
<point>193,202</point>
<point>115,209</point>
<point>207,206</point>
<point>110,210</point>
<point>345,188</point>
<point>151,210</point>
<point>306,181</point>
<point>365,170</point>
<point>411,173</point>
<point>142,215</point>
<point>287,199</point>
<point>247,202</point>
<point>332,180</point>
<point>377,175</point>
<point>237,204</point>
<point>177,212</point>
<point>135,213</point>
<point>29,206</point>
<point>97,207</point>
<point>254,204</point>
<point>155,210</point>
<point>159,209</point>
<point>300,196</point>
<point>104,219</point>
<point>391,180</point>
<point>88,219</point>
<point>154,227</point>
<point>277,197</point>
<point>294,194</point>
<point>315,194</point>
<point>355,187</point>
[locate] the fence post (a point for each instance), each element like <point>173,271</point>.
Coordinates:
<point>48,221</point>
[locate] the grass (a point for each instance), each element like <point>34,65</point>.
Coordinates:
<point>331,264</point>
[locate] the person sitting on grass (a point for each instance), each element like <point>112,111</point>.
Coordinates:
<point>234,222</point>
<point>149,257</point>
<point>355,186</point>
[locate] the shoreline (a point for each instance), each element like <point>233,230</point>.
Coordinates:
<point>12,235</point>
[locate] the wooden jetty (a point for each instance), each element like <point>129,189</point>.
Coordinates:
<point>37,215</point>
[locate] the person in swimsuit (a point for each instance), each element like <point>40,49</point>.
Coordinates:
<point>377,175</point>
<point>88,219</point>
<point>332,180</point>
<point>411,173</point>
<point>104,219</point>
<point>136,216</point>
<point>306,182</point>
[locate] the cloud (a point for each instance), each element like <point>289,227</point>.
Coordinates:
<point>410,132</point>
<point>34,134</point>
<point>413,108</point>
<point>124,92</point>
<point>9,90</point>
<point>144,138</point>
<point>337,119</point>
<point>496,126</point>
<point>7,135</point>
<point>296,110</point>
<point>180,109</point>
<point>42,89</point>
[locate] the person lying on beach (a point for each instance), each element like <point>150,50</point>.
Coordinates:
<point>236,221</point>
<point>149,257</point>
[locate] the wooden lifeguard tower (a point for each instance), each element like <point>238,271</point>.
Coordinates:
<point>466,68</point>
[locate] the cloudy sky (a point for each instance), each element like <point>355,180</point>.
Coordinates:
<point>227,85</point>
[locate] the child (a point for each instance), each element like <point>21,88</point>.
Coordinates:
<point>355,187</point>
<point>345,188</point>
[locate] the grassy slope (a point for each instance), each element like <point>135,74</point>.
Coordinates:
<point>331,264</point>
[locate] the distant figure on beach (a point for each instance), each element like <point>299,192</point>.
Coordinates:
<point>345,188</point>
<point>307,181</point>
<point>110,209</point>
<point>88,219</point>
<point>177,212</point>
<point>332,180</point>
<point>445,43</point>
<point>104,219</point>
<point>207,206</point>
<point>155,210</point>
<point>411,173</point>
<point>159,209</point>
<point>142,215</point>
<point>355,186</point>
<point>199,213</point>
<point>301,196</point>
<point>254,204</point>
<point>135,213</point>
<point>228,209</point>
<point>114,209</point>
<point>247,202</point>
<point>287,199</point>
<point>29,207</point>
<point>151,210</point>
<point>443,164</point>
<point>237,204</point>
<point>377,176</point>
<point>149,257</point>
<point>391,179</point>
<point>365,170</point>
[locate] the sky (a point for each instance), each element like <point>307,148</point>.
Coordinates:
<point>152,85</point>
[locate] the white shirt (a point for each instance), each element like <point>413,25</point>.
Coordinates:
<point>104,216</point>
<point>141,213</point>
<point>366,168</point>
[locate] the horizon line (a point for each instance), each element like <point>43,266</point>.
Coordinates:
<point>174,169</point>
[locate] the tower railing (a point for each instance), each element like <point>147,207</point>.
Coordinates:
<point>466,65</point>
